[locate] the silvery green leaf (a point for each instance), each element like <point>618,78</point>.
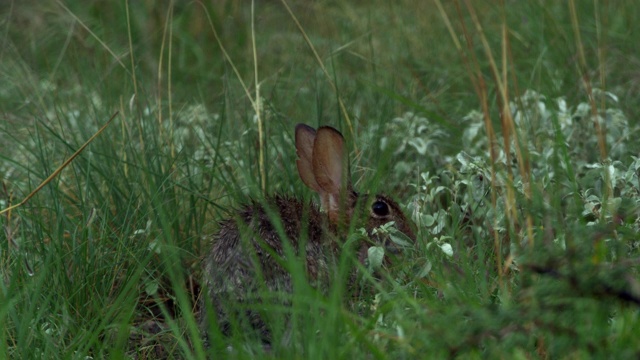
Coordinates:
<point>419,144</point>
<point>425,177</point>
<point>611,171</point>
<point>426,269</point>
<point>613,204</point>
<point>400,238</point>
<point>427,220</point>
<point>439,189</point>
<point>155,246</point>
<point>463,158</point>
<point>593,199</point>
<point>447,249</point>
<point>383,143</point>
<point>611,96</point>
<point>441,218</point>
<point>151,287</point>
<point>375,255</point>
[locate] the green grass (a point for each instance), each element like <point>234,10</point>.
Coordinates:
<point>104,261</point>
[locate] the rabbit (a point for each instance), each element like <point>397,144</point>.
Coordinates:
<point>251,239</point>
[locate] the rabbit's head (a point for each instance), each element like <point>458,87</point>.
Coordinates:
<point>323,166</point>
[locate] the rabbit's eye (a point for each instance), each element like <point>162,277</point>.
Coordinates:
<point>380,208</point>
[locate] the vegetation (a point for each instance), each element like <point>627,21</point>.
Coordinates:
<point>507,129</point>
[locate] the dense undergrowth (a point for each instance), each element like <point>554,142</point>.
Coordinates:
<point>507,131</point>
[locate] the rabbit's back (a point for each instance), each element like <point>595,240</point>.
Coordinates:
<point>248,253</point>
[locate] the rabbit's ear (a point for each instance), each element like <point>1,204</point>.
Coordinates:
<point>305,138</point>
<point>329,160</point>
<point>331,168</point>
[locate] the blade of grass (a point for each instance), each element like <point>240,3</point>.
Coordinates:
<point>255,101</point>
<point>343,108</point>
<point>258,108</point>
<point>61,167</point>
<point>586,81</point>
<point>117,58</point>
<point>168,25</point>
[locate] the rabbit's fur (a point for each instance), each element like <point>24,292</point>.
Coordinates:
<point>252,238</point>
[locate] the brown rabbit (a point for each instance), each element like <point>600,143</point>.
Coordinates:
<point>254,238</point>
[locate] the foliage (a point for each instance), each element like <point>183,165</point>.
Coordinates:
<point>527,201</point>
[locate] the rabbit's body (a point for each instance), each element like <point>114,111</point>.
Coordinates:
<point>230,262</point>
<point>251,239</point>
<point>248,252</point>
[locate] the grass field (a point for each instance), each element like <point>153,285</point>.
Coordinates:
<point>507,129</point>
